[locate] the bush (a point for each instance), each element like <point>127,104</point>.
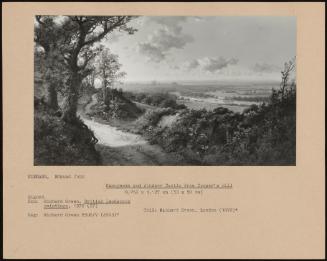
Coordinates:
<point>152,117</point>
<point>60,143</point>
<point>115,106</point>
<point>261,135</point>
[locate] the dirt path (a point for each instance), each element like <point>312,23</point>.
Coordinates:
<point>87,108</point>
<point>122,148</point>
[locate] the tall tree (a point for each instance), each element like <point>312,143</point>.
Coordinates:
<point>289,68</point>
<point>109,71</point>
<point>90,79</point>
<point>48,58</point>
<point>80,34</point>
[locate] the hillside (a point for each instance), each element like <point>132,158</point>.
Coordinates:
<point>260,135</point>
<point>115,106</point>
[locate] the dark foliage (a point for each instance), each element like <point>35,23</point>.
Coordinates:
<point>261,135</point>
<point>60,143</point>
<point>114,105</point>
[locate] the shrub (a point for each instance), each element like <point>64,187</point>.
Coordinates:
<point>261,135</point>
<point>60,143</point>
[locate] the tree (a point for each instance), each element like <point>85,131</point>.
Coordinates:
<point>90,79</point>
<point>288,69</point>
<point>80,33</point>
<point>109,71</point>
<point>48,58</point>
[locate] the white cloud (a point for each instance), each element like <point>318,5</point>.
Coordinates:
<point>265,68</point>
<point>210,65</point>
<point>215,64</point>
<point>173,23</point>
<point>190,65</point>
<point>152,52</point>
<point>167,37</point>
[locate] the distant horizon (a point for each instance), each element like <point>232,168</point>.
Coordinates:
<point>190,82</point>
<point>203,81</point>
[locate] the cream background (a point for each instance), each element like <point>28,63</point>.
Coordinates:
<point>281,208</point>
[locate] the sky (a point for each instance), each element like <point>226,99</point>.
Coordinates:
<point>184,48</point>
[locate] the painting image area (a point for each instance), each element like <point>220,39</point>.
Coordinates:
<point>164,90</point>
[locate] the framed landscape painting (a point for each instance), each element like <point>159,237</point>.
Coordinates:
<point>164,90</point>
<point>163,130</point>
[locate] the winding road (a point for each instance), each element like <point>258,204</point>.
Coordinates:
<point>123,148</point>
